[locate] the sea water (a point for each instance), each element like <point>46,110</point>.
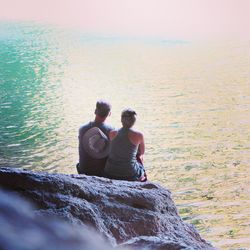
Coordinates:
<point>192,101</point>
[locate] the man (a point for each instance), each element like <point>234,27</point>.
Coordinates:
<point>93,142</point>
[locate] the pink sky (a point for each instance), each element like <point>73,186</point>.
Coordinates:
<point>178,19</point>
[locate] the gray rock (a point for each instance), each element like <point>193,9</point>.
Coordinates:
<point>127,213</point>
<point>21,229</point>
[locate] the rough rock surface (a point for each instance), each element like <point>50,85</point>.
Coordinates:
<point>134,214</point>
<point>21,229</point>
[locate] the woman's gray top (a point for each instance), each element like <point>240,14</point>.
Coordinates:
<point>122,161</point>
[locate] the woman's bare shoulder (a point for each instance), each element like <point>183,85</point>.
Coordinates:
<point>136,132</point>
<point>113,133</point>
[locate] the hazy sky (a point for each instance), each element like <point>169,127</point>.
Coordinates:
<point>178,19</point>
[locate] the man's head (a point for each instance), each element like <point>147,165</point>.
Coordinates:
<point>128,118</point>
<point>102,108</point>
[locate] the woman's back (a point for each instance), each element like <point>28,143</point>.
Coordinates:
<point>122,158</point>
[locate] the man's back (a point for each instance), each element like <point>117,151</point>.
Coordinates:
<point>87,164</point>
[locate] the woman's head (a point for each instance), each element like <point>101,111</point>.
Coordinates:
<point>128,118</point>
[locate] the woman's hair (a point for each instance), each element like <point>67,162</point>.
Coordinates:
<point>128,118</point>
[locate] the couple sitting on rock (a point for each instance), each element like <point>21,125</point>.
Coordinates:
<point>115,154</point>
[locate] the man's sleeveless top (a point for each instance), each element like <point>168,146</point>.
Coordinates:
<point>87,164</point>
<point>122,161</point>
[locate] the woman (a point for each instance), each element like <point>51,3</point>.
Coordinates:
<point>126,151</point>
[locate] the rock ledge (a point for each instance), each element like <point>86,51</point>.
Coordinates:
<point>134,214</point>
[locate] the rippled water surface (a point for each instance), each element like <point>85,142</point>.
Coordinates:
<point>192,100</point>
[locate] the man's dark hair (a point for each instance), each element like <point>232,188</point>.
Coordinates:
<point>102,108</point>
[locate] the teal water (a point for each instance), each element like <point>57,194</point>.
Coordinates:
<point>192,102</point>
<point>28,107</point>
